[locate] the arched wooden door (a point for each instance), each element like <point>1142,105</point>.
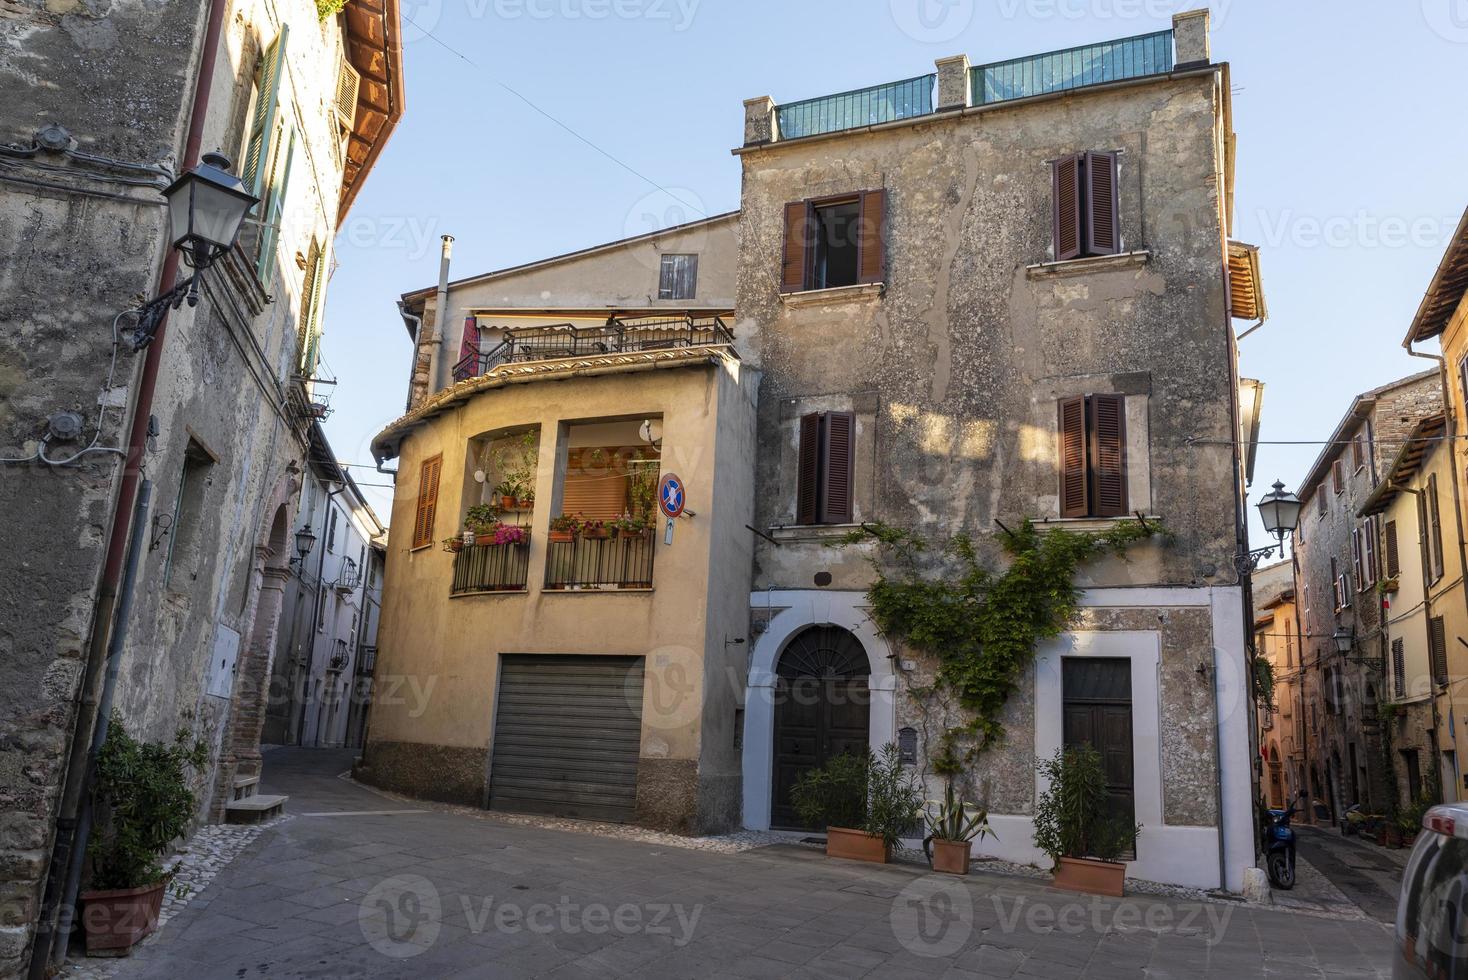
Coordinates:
<point>822,709</point>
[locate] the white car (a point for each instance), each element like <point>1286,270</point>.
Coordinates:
<point>1432,912</point>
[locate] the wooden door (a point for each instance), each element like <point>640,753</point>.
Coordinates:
<point>1097,696</point>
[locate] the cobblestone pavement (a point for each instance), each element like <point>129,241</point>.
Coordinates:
<point>357,885</point>
<point>1367,874</point>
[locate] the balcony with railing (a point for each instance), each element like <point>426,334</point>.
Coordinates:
<point>1001,81</point>
<point>617,336</point>
<point>617,561</point>
<point>491,567</point>
<point>1072,68</point>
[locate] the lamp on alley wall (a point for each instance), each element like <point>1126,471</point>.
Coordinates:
<point>206,207</point>
<point>305,541</point>
<point>1280,511</point>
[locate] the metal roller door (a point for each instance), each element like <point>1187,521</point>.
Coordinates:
<point>566,736</point>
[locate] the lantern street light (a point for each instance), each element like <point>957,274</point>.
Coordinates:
<point>305,541</point>
<point>1345,639</point>
<point>1280,511</point>
<point>206,208</point>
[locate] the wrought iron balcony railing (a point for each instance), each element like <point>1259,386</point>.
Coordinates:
<point>1072,68</point>
<point>860,107</point>
<point>617,336</point>
<point>623,562</point>
<point>491,568</point>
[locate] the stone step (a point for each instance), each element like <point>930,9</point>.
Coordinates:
<point>254,809</point>
<point>245,786</point>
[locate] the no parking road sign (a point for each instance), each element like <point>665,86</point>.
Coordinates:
<point>671,498</point>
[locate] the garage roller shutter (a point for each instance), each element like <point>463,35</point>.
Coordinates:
<point>566,736</point>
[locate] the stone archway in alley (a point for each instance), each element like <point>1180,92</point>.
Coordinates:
<point>240,758</point>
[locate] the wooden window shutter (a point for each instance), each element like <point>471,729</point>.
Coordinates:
<point>1437,639</point>
<point>1356,558</point>
<point>427,501</point>
<point>304,318</point>
<point>1435,526</point>
<point>838,467</point>
<point>594,487</point>
<point>1108,456</point>
<point>871,237</point>
<point>1393,556</point>
<point>1065,176</point>
<point>1399,668</point>
<point>1371,558</point>
<point>1103,206</point>
<point>796,258</point>
<point>262,124</point>
<point>1463,378</point>
<point>1074,491</point>
<point>1338,476</point>
<point>1320,506</point>
<point>808,489</point>
<point>270,215</point>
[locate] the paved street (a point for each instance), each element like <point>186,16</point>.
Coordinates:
<point>1367,874</point>
<point>358,885</point>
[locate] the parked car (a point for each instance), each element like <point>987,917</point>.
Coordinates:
<point>1432,911</point>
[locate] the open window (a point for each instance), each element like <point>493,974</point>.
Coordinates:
<point>834,241</point>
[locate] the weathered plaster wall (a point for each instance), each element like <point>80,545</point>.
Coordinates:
<point>439,656</point>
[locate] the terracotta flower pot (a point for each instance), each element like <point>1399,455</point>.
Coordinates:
<point>596,534</point>
<point>483,539</point>
<point>856,845</point>
<point>1090,876</point>
<point>524,504</point>
<point>507,502</point>
<point>118,919</point>
<point>951,856</point>
<point>561,537</point>
<point>455,545</point>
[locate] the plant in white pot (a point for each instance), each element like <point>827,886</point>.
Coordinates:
<point>1075,826</point>
<point>142,804</point>
<point>866,803</point>
<point>952,830</point>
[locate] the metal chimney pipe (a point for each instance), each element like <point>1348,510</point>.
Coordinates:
<point>440,310</point>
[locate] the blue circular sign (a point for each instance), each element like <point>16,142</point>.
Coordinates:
<point>671,497</point>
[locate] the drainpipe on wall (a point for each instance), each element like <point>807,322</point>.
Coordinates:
<point>412,364</point>
<point>1450,439</point>
<point>440,311</point>
<point>47,946</point>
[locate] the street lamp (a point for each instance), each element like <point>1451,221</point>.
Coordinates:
<point>206,207</point>
<point>1280,512</point>
<point>1345,639</point>
<point>305,541</point>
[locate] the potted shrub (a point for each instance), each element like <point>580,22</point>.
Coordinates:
<point>562,528</point>
<point>506,491</point>
<point>481,521</point>
<point>515,463</point>
<point>1074,827</point>
<point>865,802</point>
<point>142,804</point>
<point>952,832</point>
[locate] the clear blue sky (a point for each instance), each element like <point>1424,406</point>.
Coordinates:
<point>1350,163</point>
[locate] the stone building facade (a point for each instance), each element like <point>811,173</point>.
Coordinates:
<point>952,358</point>
<point>206,423</point>
<point>1280,759</point>
<point>1339,551</point>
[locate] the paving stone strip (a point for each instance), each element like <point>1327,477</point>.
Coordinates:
<point>208,852</point>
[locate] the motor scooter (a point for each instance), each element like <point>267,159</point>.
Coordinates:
<point>1278,843</point>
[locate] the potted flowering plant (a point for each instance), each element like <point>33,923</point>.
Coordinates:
<point>563,528</point>
<point>143,803</point>
<point>512,534</point>
<point>628,526</point>
<point>1074,826</point>
<point>595,530</point>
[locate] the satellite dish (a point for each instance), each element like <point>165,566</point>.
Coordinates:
<point>651,431</point>
<point>478,476</point>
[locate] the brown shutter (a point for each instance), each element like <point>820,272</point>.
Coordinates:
<point>871,237</point>
<point>1066,207</point>
<point>1108,456</point>
<point>1320,499</point>
<point>838,465</point>
<point>1435,528</point>
<point>1393,557</point>
<point>1073,488</point>
<point>1370,558</point>
<point>594,487</point>
<point>1356,564</point>
<point>1437,640</point>
<point>808,479</point>
<point>1103,219</point>
<point>797,247</point>
<point>427,501</point>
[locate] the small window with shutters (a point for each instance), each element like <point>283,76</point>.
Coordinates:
<point>678,277</point>
<point>1399,668</point>
<point>427,508</point>
<point>1437,645</point>
<point>1338,476</point>
<point>1434,531</point>
<point>1092,432</point>
<point>832,242</point>
<point>827,468</point>
<point>1358,452</point>
<point>1393,556</point>
<point>1321,507</point>
<point>1085,205</point>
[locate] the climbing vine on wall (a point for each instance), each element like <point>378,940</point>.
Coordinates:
<point>982,626</point>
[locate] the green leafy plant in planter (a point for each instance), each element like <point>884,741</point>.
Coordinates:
<point>1075,827</point>
<point>481,519</point>
<point>142,803</point>
<point>515,462</point>
<point>866,802</point>
<point>952,831</point>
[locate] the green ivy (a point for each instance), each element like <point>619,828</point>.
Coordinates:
<point>1264,683</point>
<point>982,627</point>
<point>329,8</point>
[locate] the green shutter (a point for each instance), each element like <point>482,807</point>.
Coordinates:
<point>262,125</point>
<point>274,206</point>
